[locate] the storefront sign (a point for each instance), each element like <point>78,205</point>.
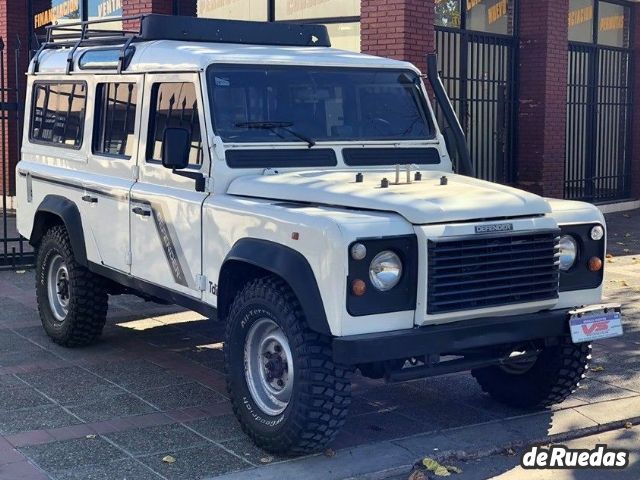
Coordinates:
<point>109,7</point>
<point>580,16</point>
<point>612,23</point>
<point>210,6</point>
<point>295,6</point>
<point>473,3</point>
<point>498,11</point>
<point>51,15</point>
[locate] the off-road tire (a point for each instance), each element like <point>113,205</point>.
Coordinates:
<point>321,391</point>
<point>554,376</point>
<point>88,299</point>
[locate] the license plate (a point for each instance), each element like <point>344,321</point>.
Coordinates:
<point>595,323</point>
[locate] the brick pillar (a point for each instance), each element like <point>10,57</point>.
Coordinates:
<point>543,95</point>
<point>400,29</point>
<point>635,119</point>
<point>166,7</point>
<point>14,32</point>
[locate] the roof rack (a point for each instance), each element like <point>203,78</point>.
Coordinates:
<point>75,35</point>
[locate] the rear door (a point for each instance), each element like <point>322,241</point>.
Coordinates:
<point>166,206</point>
<point>111,165</point>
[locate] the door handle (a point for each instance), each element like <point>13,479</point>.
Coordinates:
<point>90,199</point>
<point>143,212</point>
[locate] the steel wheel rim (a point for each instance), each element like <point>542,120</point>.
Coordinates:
<point>58,288</point>
<point>520,366</point>
<point>268,367</point>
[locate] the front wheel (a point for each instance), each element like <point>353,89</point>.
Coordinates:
<point>286,392</point>
<point>544,381</point>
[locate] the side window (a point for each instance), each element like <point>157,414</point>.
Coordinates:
<point>115,117</point>
<point>58,113</point>
<point>174,105</point>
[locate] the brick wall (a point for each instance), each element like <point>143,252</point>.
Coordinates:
<point>400,29</point>
<point>166,7</point>
<point>635,137</point>
<point>543,95</point>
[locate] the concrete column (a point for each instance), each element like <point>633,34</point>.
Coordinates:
<point>399,29</point>
<point>543,60</point>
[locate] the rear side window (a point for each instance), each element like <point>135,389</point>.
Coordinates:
<point>174,105</point>
<point>114,127</point>
<point>58,113</point>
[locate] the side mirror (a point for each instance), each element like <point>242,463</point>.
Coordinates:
<point>176,144</point>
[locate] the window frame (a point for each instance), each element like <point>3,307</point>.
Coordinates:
<point>83,129</point>
<point>151,123</point>
<point>96,119</point>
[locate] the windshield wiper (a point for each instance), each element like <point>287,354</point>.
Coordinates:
<point>273,126</point>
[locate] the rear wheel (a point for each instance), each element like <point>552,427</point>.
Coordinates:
<point>286,392</point>
<point>72,301</point>
<point>540,382</point>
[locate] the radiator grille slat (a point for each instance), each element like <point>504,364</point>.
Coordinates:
<point>482,272</point>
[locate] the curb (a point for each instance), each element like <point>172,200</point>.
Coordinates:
<point>380,460</point>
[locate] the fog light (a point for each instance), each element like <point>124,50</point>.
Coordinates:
<point>597,233</point>
<point>595,264</point>
<point>359,288</point>
<point>358,251</point>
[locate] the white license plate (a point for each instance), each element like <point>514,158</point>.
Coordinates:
<point>595,323</point>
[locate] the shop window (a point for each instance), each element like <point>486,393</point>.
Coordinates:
<point>174,105</point>
<point>234,9</point>
<point>491,16</point>
<point>115,119</point>
<point>308,9</point>
<point>103,9</point>
<point>448,13</point>
<point>56,11</point>
<point>345,36</point>
<point>613,25</point>
<point>58,113</point>
<point>581,21</point>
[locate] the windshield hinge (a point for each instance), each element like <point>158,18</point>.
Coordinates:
<point>135,172</point>
<point>201,282</point>
<point>128,258</point>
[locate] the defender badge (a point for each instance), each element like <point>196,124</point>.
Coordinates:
<point>498,227</point>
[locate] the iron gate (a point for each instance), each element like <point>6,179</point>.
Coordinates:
<point>15,251</point>
<point>599,111</point>
<point>479,72</point>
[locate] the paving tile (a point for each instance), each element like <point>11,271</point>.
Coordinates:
<point>594,391</point>
<point>137,375</point>
<point>71,385</point>
<point>21,471</point>
<point>196,463</point>
<point>40,418</point>
<point>246,449</point>
<point>32,437</point>
<point>209,358</point>
<point>117,470</point>
<point>10,342</point>
<point>124,405</point>
<point>146,441</point>
<point>27,357</point>
<point>218,429</point>
<point>72,453</point>
<point>14,398</point>
<point>10,381</point>
<point>383,426</point>
<point>181,396</point>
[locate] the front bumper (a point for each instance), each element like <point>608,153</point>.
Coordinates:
<point>449,338</point>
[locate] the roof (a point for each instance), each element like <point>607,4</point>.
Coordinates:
<point>163,55</point>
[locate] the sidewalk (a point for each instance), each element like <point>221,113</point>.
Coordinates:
<point>154,386</point>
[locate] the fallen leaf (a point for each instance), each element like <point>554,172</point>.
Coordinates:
<point>441,471</point>
<point>510,451</point>
<point>418,475</point>
<point>169,459</point>
<point>627,235</point>
<point>266,460</point>
<point>625,283</point>
<point>90,436</point>
<point>609,255</point>
<point>597,368</point>
<point>626,250</point>
<point>430,463</point>
<point>628,425</point>
<point>453,468</point>
<point>610,260</point>
<point>626,215</point>
<point>20,272</point>
<point>329,452</point>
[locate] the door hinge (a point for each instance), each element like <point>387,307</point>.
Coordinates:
<point>208,185</point>
<point>135,172</point>
<point>201,282</point>
<point>128,259</point>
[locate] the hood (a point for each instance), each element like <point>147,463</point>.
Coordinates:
<point>422,202</point>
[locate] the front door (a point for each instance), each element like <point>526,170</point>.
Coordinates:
<point>166,206</point>
<point>113,153</point>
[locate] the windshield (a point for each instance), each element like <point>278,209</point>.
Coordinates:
<point>315,104</point>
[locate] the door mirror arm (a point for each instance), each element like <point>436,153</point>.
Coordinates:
<point>197,176</point>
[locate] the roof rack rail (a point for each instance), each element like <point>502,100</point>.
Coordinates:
<point>75,35</point>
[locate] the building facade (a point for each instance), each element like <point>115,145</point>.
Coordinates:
<point>544,88</point>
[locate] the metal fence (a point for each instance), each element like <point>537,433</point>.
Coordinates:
<point>599,108</point>
<point>15,252</point>
<point>479,73</point>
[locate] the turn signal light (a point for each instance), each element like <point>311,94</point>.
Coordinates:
<point>595,264</point>
<point>359,288</point>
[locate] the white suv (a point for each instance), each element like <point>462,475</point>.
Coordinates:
<point>304,196</point>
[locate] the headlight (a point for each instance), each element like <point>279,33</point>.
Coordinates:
<point>568,252</point>
<point>385,270</point>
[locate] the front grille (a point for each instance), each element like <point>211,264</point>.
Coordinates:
<point>488,271</point>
